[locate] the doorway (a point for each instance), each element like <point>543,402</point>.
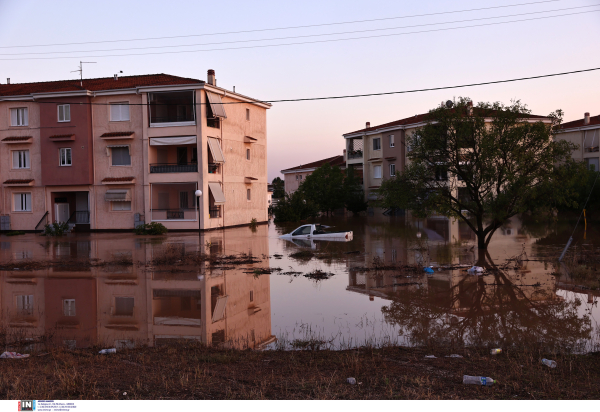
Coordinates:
<point>61,212</point>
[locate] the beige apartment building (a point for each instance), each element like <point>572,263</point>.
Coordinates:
<point>585,133</point>
<point>294,176</point>
<point>111,153</point>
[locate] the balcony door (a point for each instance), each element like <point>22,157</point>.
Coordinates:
<point>182,156</point>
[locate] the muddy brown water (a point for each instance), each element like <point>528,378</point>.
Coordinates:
<point>106,289</point>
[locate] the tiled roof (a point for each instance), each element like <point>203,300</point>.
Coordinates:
<point>17,181</point>
<point>103,83</point>
<point>423,117</point>
<point>118,179</point>
<point>594,120</point>
<point>333,161</point>
<point>61,136</point>
<point>16,138</point>
<point>117,134</point>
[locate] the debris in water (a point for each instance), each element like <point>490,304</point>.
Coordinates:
<point>478,380</point>
<point>13,355</point>
<point>351,381</point>
<point>549,363</point>
<point>430,357</point>
<point>454,356</point>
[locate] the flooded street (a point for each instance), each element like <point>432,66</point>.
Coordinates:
<point>248,288</point>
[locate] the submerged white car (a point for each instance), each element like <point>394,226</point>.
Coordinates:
<point>318,232</point>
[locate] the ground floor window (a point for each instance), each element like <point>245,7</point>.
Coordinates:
<point>592,163</point>
<point>116,206</point>
<point>22,202</point>
<point>173,201</point>
<point>393,169</point>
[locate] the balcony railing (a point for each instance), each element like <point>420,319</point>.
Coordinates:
<point>591,149</point>
<point>213,123</point>
<point>213,168</point>
<point>173,214</point>
<point>214,212</point>
<point>173,168</point>
<point>80,216</point>
<point>355,154</point>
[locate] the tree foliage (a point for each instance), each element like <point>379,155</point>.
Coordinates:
<point>483,165</point>
<point>278,188</point>
<point>293,208</point>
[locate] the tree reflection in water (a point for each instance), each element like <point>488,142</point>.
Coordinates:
<point>491,310</point>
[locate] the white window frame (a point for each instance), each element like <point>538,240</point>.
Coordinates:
<point>375,169</point>
<point>392,169</point>
<point>26,196</point>
<point>392,141</point>
<point>121,206</point>
<point>19,116</point>
<point>66,114</point>
<point>378,140</point>
<point>60,156</point>
<point>71,309</point>
<point>23,157</point>
<point>26,304</point>
<point>122,106</point>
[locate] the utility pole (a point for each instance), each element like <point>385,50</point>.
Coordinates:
<point>80,70</point>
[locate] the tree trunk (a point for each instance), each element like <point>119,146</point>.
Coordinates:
<point>481,245</point>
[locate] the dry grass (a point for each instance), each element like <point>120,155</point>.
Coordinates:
<point>191,371</point>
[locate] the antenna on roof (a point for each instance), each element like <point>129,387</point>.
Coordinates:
<point>80,70</point>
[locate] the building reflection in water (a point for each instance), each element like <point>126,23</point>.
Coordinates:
<point>517,305</point>
<point>119,302</point>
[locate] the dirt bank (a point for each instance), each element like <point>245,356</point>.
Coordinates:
<point>197,372</point>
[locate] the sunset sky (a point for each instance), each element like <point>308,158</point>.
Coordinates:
<point>301,132</point>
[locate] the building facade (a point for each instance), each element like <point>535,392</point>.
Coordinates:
<point>585,133</point>
<point>294,176</point>
<point>112,153</point>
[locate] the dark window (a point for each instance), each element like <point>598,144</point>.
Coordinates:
<point>182,156</point>
<point>171,107</point>
<point>377,144</point>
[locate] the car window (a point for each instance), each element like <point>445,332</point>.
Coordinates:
<point>304,230</point>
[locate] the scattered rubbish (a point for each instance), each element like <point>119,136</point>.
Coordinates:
<point>454,356</point>
<point>124,393</point>
<point>496,351</point>
<point>430,357</point>
<point>478,380</point>
<point>351,381</point>
<point>13,355</point>
<point>475,269</point>
<point>107,351</point>
<point>428,270</point>
<point>549,363</point>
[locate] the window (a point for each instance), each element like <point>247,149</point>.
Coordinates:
<point>19,117</point>
<point>21,159</point>
<point>247,114</point>
<point>300,177</point>
<point>69,307</point>
<point>64,112</point>
<point>172,107</point>
<point>123,306</point>
<point>304,230</point>
<point>247,154</point>
<point>441,173</point>
<point>393,169</point>
<point>392,142</point>
<point>120,156</point>
<point>25,304</point>
<point>248,194</point>
<point>377,172</point>
<point>377,144</point>
<point>117,206</point>
<point>183,200</point>
<point>65,156</point>
<point>251,296</point>
<point>119,112</point>
<point>22,202</point>
<point>593,163</point>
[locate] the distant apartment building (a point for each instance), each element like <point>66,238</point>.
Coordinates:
<point>379,152</point>
<point>294,176</point>
<point>585,133</point>
<point>111,153</point>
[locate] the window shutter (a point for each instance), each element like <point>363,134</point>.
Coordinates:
<point>13,117</point>
<point>61,113</point>
<point>115,113</point>
<point>15,159</point>
<point>25,116</point>
<point>125,112</point>
<point>67,112</point>
<point>27,202</point>
<point>27,164</point>
<point>17,197</point>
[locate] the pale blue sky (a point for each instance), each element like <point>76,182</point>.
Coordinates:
<point>307,131</point>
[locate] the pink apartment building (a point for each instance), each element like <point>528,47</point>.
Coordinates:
<point>111,153</point>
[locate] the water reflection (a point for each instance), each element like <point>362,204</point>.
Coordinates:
<point>123,302</point>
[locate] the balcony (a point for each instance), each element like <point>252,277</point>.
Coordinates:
<point>172,109</point>
<point>591,149</point>
<point>173,202</point>
<point>173,168</point>
<point>215,122</point>
<point>355,154</point>
<point>213,168</point>
<point>214,212</point>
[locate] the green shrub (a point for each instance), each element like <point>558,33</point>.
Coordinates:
<point>153,228</point>
<point>56,229</point>
<point>15,233</point>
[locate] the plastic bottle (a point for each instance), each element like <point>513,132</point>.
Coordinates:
<point>351,381</point>
<point>549,363</point>
<point>107,351</point>
<point>496,351</point>
<point>478,380</point>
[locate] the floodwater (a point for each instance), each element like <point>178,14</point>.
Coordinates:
<point>141,290</point>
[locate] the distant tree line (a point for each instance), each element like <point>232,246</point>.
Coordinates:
<point>325,190</point>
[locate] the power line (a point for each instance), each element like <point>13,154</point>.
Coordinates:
<point>300,36</point>
<point>299,43</point>
<point>284,28</point>
<point>358,95</point>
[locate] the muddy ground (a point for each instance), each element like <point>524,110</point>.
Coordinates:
<point>193,371</point>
